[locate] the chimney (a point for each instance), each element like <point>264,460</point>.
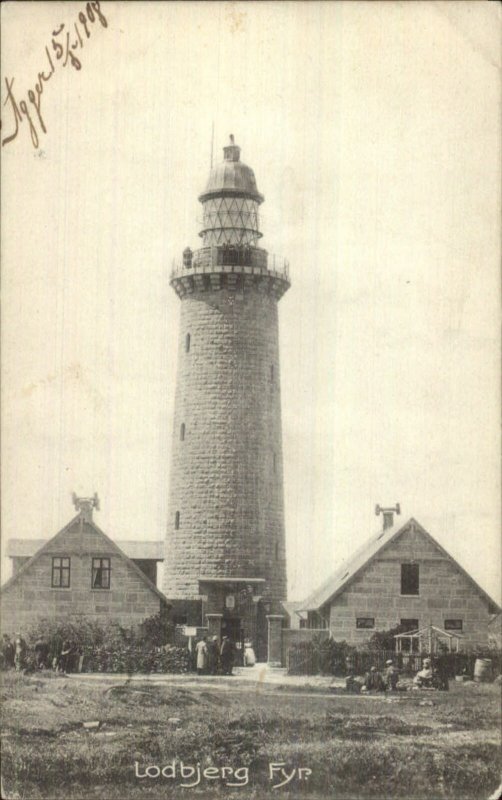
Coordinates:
<point>84,506</point>
<point>388,514</point>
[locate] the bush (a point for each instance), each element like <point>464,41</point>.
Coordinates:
<point>319,656</point>
<point>131,659</point>
<point>111,647</point>
<point>384,640</point>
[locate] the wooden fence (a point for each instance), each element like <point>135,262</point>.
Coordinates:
<point>312,661</point>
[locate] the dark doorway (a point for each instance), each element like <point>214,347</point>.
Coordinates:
<point>231,627</point>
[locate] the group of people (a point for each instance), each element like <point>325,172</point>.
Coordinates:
<point>213,658</point>
<point>15,654</point>
<point>376,681</point>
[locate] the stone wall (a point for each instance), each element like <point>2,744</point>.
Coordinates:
<point>445,593</point>
<point>29,595</point>
<point>226,473</point>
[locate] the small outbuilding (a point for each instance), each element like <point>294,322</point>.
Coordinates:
<point>430,640</point>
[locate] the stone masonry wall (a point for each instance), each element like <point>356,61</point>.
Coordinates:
<point>226,474</point>
<point>30,596</point>
<point>445,593</point>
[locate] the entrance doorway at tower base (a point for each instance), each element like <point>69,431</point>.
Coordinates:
<point>231,608</point>
<point>232,627</point>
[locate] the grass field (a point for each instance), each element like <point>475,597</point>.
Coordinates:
<point>354,747</point>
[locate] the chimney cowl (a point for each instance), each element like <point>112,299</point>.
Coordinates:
<point>388,514</point>
<point>85,505</point>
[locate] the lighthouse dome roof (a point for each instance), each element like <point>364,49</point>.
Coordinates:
<point>231,177</point>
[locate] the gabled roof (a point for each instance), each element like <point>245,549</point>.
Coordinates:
<point>113,548</point>
<point>147,551</point>
<point>293,607</point>
<point>345,574</point>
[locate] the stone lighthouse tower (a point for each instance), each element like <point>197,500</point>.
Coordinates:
<point>225,561</point>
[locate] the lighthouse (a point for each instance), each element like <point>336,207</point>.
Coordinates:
<point>225,557</point>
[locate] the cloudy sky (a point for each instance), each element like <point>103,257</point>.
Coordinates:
<point>373,131</point>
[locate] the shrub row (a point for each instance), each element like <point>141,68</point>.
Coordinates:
<point>110,647</point>
<point>132,659</point>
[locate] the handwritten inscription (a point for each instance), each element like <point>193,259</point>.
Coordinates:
<point>65,41</point>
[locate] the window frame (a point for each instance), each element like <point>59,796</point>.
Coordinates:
<point>96,570</point>
<point>408,564</point>
<point>409,629</point>
<point>61,569</point>
<point>361,627</point>
<point>455,628</point>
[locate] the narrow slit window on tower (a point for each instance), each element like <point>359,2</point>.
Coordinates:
<point>274,458</point>
<point>182,432</point>
<point>271,372</point>
<point>276,550</point>
<point>187,343</point>
<point>177,521</point>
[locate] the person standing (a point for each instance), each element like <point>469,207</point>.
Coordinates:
<point>213,652</point>
<point>65,657</point>
<point>19,653</point>
<point>227,656</point>
<point>41,653</point>
<point>249,654</point>
<point>8,652</point>
<point>55,651</point>
<point>201,655</point>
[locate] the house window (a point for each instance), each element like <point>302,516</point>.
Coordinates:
<point>177,521</point>
<point>187,343</point>
<point>409,579</point>
<point>60,573</point>
<point>409,625</point>
<point>365,622</point>
<point>100,573</point>
<point>453,625</point>
<point>182,432</point>
<point>180,619</point>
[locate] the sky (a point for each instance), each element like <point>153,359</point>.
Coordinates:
<point>373,131</point>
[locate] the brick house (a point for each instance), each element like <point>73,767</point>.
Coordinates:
<point>145,554</point>
<point>401,576</point>
<point>79,572</point>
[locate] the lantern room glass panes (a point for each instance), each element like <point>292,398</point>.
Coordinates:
<point>230,220</point>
